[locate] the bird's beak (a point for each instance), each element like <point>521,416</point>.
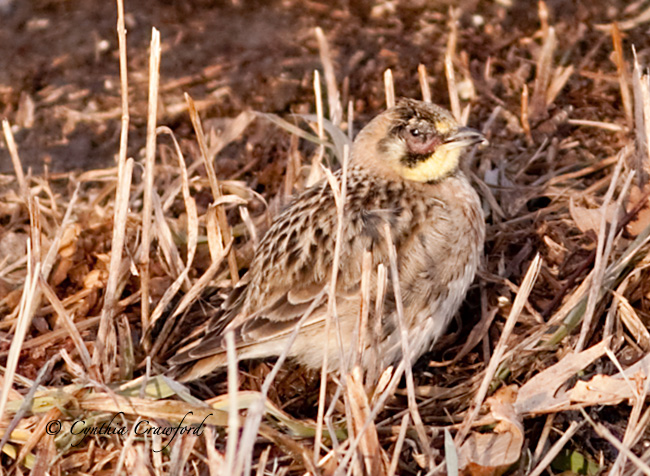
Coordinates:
<point>465,137</point>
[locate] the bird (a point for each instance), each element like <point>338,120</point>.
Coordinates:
<point>403,176</point>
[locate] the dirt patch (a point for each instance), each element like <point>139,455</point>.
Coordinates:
<point>550,161</point>
<point>61,59</point>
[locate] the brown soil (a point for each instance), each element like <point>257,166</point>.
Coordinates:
<point>60,90</point>
<point>259,55</point>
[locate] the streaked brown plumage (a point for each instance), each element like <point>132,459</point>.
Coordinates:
<point>404,172</point>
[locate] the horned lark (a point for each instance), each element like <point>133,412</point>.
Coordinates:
<point>403,171</point>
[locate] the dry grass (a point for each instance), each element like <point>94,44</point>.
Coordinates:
<point>555,363</point>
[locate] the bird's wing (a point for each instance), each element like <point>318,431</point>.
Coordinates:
<point>291,268</point>
<point>272,322</point>
<point>291,272</point>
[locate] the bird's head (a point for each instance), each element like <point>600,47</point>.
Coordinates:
<point>417,140</point>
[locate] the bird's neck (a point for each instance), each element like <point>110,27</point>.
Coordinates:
<point>435,167</point>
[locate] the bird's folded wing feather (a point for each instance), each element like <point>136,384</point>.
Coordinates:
<point>274,321</point>
<point>288,276</point>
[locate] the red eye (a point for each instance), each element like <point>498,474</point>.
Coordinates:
<point>419,142</point>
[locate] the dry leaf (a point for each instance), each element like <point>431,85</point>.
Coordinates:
<point>542,393</point>
<point>94,278</point>
<point>611,390</point>
<point>538,395</point>
<point>489,453</point>
<point>642,219</point>
<point>61,271</point>
<point>587,219</point>
<point>556,252</point>
<point>600,390</point>
<point>492,453</point>
<point>69,240</point>
<point>67,249</point>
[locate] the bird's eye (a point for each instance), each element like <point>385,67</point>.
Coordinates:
<point>419,139</point>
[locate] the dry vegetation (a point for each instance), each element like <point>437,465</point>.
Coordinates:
<point>547,369</point>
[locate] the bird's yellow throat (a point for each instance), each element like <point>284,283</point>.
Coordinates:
<point>437,166</point>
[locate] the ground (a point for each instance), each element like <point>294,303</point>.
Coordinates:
<point>261,55</point>
<point>542,177</point>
